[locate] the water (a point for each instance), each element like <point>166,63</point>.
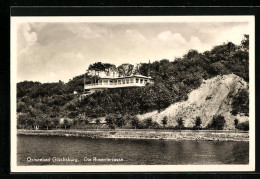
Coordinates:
<point>32,150</point>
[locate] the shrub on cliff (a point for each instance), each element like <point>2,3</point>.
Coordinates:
<point>198,122</point>
<point>164,121</point>
<point>180,122</point>
<point>218,122</point>
<point>243,126</point>
<point>240,102</point>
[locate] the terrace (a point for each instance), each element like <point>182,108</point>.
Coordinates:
<point>120,82</point>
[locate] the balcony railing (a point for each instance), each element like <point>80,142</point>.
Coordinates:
<point>113,85</point>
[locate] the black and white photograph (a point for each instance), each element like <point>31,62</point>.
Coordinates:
<point>132,94</point>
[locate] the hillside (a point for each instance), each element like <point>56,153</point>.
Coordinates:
<point>198,84</point>
<point>213,97</point>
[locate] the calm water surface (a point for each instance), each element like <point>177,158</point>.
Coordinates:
<point>127,151</point>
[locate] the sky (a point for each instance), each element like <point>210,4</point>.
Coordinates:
<point>53,51</point>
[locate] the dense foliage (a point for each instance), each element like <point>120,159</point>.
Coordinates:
<point>240,102</point>
<point>218,122</point>
<point>173,81</point>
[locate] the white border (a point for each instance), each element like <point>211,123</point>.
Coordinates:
<point>134,168</point>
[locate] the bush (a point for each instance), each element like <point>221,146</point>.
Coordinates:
<point>134,121</point>
<point>240,103</point>
<point>180,122</point>
<point>148,122</point>
<point>243,126</point>
<point>110,121</point>
<point>197,122</point>
<point>218,122</point>
<point>164,121</point>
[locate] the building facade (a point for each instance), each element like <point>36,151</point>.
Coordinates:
<point>119,82</point>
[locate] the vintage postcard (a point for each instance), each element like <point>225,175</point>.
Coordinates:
<point>133,94</point>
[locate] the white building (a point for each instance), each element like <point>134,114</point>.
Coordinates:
<point>119,82</point>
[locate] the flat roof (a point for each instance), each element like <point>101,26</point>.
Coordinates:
<point>139,76</point>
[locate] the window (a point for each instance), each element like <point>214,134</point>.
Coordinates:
<point>127,81</point>
<point>111,82</point>
<point>123,81</point>
<point>141,81</point>
<point>145,81</point>
<point>131,80</point>
<point>137,80</point>
<point>105,82</point>
<point>119,82</point>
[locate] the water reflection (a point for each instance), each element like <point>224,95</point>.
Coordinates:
<point>132,151</point>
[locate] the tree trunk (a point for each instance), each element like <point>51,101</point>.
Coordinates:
<point>47,128</point>
<point>65,127</point>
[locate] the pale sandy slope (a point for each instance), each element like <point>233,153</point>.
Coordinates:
<point>218,90</point>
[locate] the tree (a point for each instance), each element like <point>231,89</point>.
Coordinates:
<point>136,70</point>
<point>134,121</point>
<point>30,122</point>
<point>240,102</point>
<point>21,121</point>
<point>180,122</point>
<point>110,121</point>
<point>108,68</point>
<point>155,125</point>
<point>163,96</point>
<point>56,122</point>
<point>191,54</point>
<point>75,122</point>
<point>218,122</point>
<point>120,121</point>
<point>47,122</point>
<point>86,121</point>
<point>243,126</point>
<point>125,69</point>
<point>148,122</point>
<point>235,123</point>
<point>21,107</point>
<point>164,121</point>
<point>198,122</point>
<point>97,122</point>
<point>38,122</point>
<point>97,68</point>
<point>66,123</point>
<point>245,43</point>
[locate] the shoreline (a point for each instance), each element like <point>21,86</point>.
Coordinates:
<point>132,134</point>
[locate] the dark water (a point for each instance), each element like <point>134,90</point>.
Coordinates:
<point>127,151</point>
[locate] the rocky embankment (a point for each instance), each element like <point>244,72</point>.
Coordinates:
<point>213,97</point>
<point>145,134</point>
